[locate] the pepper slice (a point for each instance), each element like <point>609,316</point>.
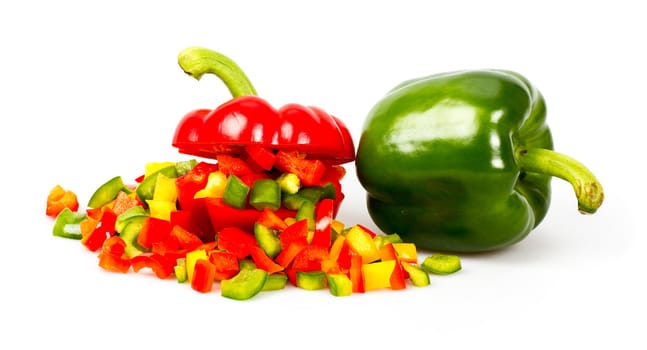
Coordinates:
<point>248,120</point>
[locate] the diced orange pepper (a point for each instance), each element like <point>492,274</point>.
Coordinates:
<point>377,275</point>
<point>406,252</point>
<point>361,242</point>
<point>59,199</point>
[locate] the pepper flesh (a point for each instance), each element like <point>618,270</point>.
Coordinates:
<point>478,161</point>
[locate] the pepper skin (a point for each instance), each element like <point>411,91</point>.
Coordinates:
<point>248,120</point>
<point>462,161</point>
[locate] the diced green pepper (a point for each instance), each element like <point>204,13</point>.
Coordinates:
<point>267,240</point>
<point>382,240</point>
<point>275,281</point>
<point>245,285</point>
<point>340,284</point>
<point>307,211</point>
<point>293,201</point>
<point>441,264</point>
<point>311,280</point>
<point>236,192</point>
<point>417,275</point>
<point>68,224</point>
<point>129,234</point>
<point>180,270</point>
<point>124,218</point>
<point>106,192</point>
<point>265,193</point>
<point>184,166</point>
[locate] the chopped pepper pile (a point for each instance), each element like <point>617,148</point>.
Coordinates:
<point>246,229</point>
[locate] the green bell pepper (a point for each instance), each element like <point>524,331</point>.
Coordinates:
<point>462,161</point>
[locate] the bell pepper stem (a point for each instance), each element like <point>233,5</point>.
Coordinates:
<point>588,189</point>
<point>196,61</point>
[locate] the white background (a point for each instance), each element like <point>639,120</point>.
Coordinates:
<point>90,91</point>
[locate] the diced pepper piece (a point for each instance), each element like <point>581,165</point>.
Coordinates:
<point>215,187</point>
<point>106,193</point>
<point>165,189</point>
<point>185,239</point>
<point>95,231</point>
<point>146,189</point>
<point>236,192</point>
<point>417,275</point>
<point>297,232</point>
<point>289,183</point>
<point>388,253</point>
<point>361,242</point>
<point>124,202</point>
<point>112,256</point>
<point>406,252</point>
<point>267,239</point>
<point>59,199</point>
<point>153,167</point>
<point>222,215</point>
<point>204,275</point>
<point>307,212</point>
<point>323,223</point>
<point>275,281</point>
<point>261,156</point>
<point>236,241</point>
<point>192,258</point>
<point>340,284</point>
<point>293,201</point>
<point>180,270</point>
<point>129,234</point>
<point>355,274</point>
<point>231,165</point>
<point>263,261</point>
<point>245,285</point>
<point>134,213</point>
<point>153,230</point>
<point>381,240</point>
<point>377,275</point>
<point>311,280</point>
<point>309,171</point>
<point>161,209</point>
<point>68,224</point>
<point>226,263</point>
<point>441,264</point>
<point>287,255</point>
<point>265,193</point>
<point>270,219</point>
<point>160,265</point>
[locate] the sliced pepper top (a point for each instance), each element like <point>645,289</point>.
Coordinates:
<point>249,120</point>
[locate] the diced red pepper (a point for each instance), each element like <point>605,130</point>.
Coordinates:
<point>309,171</point>
<point>355,273</point>
<point>154,230</point>
<point>233,165</point>
<point>263,261</point>
<point>204,276</point>
<point>269,218</point>
<point>287,255</point>
<point>295,233</point>
<point>59,199</point>
<point>185,239</point>
<point>323,221</point>
<point>261,156</point>
<point>310,258</point>
<point>236,241</point>
<point>398,276</point>
<point>187,220</point>
<point>226,264</point>
<point>187,186</point>
<point>223,215</point>
<point>113,257</point>
<point>161,265</point>
<point>94,232</point>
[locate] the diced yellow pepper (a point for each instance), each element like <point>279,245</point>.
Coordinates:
<point>337,226</point>
<point>161,209</point>
<point>362,243</point>
<point>165,189</point>
<point>152,167</point>
<point>215,186</point>
<point>406,252</point>
<point>377,275</point>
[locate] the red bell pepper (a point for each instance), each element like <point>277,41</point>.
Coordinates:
<point>226,264</point>
<point>295,233</point>
<point>263,261</point>
<point>249,120</point>
<point>153,230</point>
<point>185,239</point>
<point>323,221</point>
<point>95,231</point>
<point>399,275</point>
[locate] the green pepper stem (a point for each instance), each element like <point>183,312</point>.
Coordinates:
<point>196,61</point>
<point>588,190</point>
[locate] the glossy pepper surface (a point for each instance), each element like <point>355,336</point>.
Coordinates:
<point>248,120</point>
<point>462,161</point>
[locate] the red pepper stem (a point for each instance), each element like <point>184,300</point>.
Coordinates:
<point>196,61</point>
<point>588,190</point>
